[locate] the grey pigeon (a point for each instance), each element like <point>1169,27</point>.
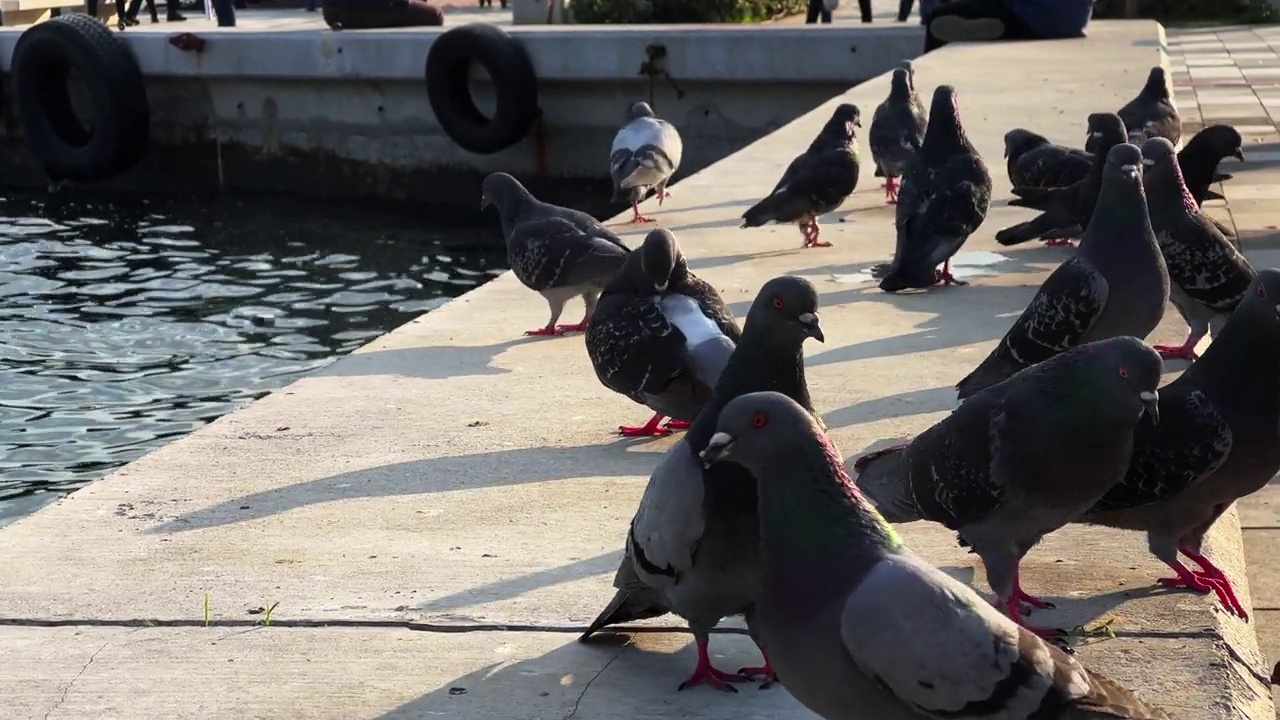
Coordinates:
<point>897,131</point>
<point>817,181</point>
<point>1065,211</point>
<point>945,195</point>
<point>1023,457</point>
<point>1200,157</point>
<point>558,252</point>
<point>693,546</point>
<point>861,628</point>
<point>660,335</point>
<point>646,153</point>
<point>1034,162</point>
<point>1207,275</point>
<point>1116,284</point>
<point>1152,113</point>
<point>1218,441</point>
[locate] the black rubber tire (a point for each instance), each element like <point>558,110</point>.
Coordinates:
<point>120,116</point>
<point>515,87</point>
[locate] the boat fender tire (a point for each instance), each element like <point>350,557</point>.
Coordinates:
<point>515,87</point>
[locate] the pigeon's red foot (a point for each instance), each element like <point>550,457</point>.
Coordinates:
<point>1023,597</point>
<point>653,428</point>
<point>576,327</point>
<point>678,425</point>
<point>706,673</point>
<point>767,674</point>
<point>638,218</point>
<point>1013,611</point>
<point>1177,352</point>
<point>663,196</point>
<point>1220,583</point>
<point>1059,242</point>
<point>548,330</point>
<point>946,279</point>
<point>891,190</point>
<point>816,243</point>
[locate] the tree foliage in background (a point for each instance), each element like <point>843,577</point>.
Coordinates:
<point>1241,11</point>
<point>682,11</point>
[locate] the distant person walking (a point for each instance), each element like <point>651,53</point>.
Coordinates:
<point>979,20</point>
<point>823,8</point>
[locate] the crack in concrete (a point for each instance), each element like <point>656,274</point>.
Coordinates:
<point>587,687</point>
<point>67,689</point>
<point>141,623</point>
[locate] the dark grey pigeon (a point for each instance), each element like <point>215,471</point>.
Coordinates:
<point>1151,113</point>
<point>861,628</point>
<point>1207,275</point>
<point>817,181</point>
<point>945,195</point>
<point>559,252</point>
<point>1200,157</point>
<point>1034,162</point>
<point>1023,457</point>
<point>897,131</point>
<point>693,546</point>
<point>661,336</point>
<point>1218,441</point>
<point>1116,284</point>
<point>645,154</point>
<point>1065,211</point>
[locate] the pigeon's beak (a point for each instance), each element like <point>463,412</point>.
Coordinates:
<point>1148,162</point>
<point>1131,171</point>
<point>1238,154</point>
<point>1278,311</point>
<point>1151,405</point>
<point>717,447</point>
<point>811,326</point>
<point>484,201</point>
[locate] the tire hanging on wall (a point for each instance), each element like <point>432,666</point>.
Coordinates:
<point>118,131</point>
<point>515,87</point>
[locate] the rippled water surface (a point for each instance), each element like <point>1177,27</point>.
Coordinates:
<point>124,326</point>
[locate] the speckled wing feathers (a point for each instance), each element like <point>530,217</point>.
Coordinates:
<point>1205,265</point>
<point>1069,302</point>
<point>1049,166</point>
<point>552,253</point>
<point>635,349</point>
<point>895,136</point>
<point>949,468</point>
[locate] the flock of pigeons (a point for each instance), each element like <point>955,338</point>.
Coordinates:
<point>753,512</point>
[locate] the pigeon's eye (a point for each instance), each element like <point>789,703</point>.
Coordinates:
<point>760,420</point>
<point>777,302</point>
<point>1124,373</point>
<point>1262,291</point>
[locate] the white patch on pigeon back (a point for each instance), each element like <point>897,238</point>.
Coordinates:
<point>969,264</point>
<point>685,313</point>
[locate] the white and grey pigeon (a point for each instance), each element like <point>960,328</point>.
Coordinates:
<point>555,251</point>
<point>944,199</point>
<point>1152,113</point>
<point>1218,441</point>
<point>661,335</point>
<point>858,626</point>
<point>1207,275</point>
<point>693,545</point>
<point>646,152</point>
<point>897,131</point>
<point>1116,283</point>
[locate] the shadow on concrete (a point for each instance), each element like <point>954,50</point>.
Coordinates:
<point>514,587</point>
<point>431,363</point>
<point>916,402</point>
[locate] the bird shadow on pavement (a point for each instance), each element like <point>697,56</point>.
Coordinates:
<point>915,402</point>
<point>431,363</point>
<point>513,587</point>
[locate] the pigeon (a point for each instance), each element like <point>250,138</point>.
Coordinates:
<point>897,131</point>
<point>817,181</point>
<point>1116,284</point>
<point>646,153</point>
<point>861,628</point>
<point>693,546</point>
<point>661,335</point>
<point>1151,113</point>
<point>559,252</point>
<point>973,472</point>
<point>1218,441</point>
<point>1200,157</point>
<point>1207,275</point>
<point>1065,211</point>
<point>945,195</point>
<point>1034,162</point>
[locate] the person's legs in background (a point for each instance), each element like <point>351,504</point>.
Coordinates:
<point>816,8</point>
<point>864,6</point>
<point>971,21</point>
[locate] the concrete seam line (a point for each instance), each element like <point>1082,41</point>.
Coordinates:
<point>136,623</point>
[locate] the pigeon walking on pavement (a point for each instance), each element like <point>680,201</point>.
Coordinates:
<point>1116,283</point>
<point>1065,211</point>
<point>1023,457</point>
<point>861,628</point>
<point>945,196</point>
<point>693,545</point>
<point>1199,158</point>
<point>1207,275</point>
<point>1034,162</point>
<point>817,181</point>
<point>1218,441</point>
<point>558,252</point>
<point>1152,113</point>
<point>897,131</point>
<point>646,153</point>
<point>661,335</point>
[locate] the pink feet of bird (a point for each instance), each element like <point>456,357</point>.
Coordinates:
<point>1059,242</point>
<point>1185,351</point>
<point>1013,608</point>
<point>890,190</point>
<point>706,674</point>
<point>810,231</point>
<point>1208,578</point>
<point>945,278</point>
<point>635,208</point>
<point>766,673</point>
<point>553,329</point>
<point>653,428</point>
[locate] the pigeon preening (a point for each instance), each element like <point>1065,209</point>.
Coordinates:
<point>1023,457</point>
<point>945,195</point>
<point>1116,284</point>
<point>693,546</point>
<point>1200,157</point>
<point>559,252</point>
<point>817,181</point>
<point>1207,275</point>
<point>1034,162</point>
<point>1065,211</point>
<point>861,628</point>
<point>646,153</point>
<point>1152,113</point>
<point>897,131</point>
<point>1218,440</point>
<point>661,336</point>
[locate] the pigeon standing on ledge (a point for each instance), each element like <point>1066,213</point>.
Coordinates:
<point>558,252</point>
<point>1200,157</point>
<point>1152,113</point>
<point>646,153</point>
<point>897,131</point>
<point>1034,162</point>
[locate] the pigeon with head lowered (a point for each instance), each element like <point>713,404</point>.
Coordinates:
<point>1207,275</point>
<point>945,196</point>
<point>661,335</point>
<point>897,131</point>
<point>1023,457</point>
<point>693,546</point>
<point>646,153</point>
<point>1199,158</point>
<point>558,252</point>
<point>1116,284</point>
<point>1152,113</point>
<point>1034,162</point>
<point>817,181</point>
<point>1066,210</point>
<point>861,628</point>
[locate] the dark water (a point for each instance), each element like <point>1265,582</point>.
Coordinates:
<point>123,326</point>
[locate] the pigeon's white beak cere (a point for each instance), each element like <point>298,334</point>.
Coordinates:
<point>717,447</point>
<point>1150,405</point>
<point>1148,162</point>
<point>1130,171</point>
<point>807,318</point>
<point>1095,135</point>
